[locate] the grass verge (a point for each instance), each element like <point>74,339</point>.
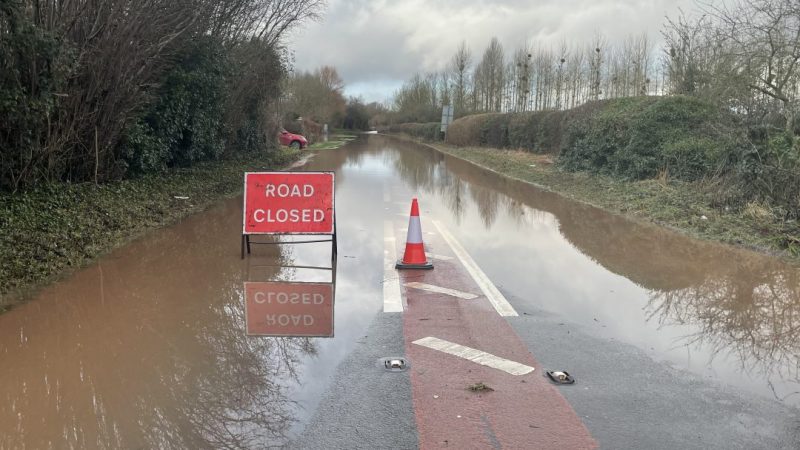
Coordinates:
<point>682,206</point>
<point>55,229</point>
<point>336,140</point>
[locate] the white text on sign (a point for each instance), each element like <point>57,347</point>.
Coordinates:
<point>290,298</point>
<point>285,320</point>
<point>289,216</point>
<point>289,190</point>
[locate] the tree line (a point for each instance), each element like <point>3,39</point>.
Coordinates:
<point>318,96</point>
<point>742,56</point>
<point>532,78</point>
<point>97,90</point>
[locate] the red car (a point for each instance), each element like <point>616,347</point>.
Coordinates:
<point>293,140</point>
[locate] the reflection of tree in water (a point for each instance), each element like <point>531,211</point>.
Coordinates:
<point>418,166</point>
<point>740,302</point>
<point>148,351</point>
<point>487,201</point>
<point>236,398</point>
<point>453,190</point>
<point>752,312</point>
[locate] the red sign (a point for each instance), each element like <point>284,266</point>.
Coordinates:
<point>288,203</point>
<point>289,309</point>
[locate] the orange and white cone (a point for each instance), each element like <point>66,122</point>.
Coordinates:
<point>414,256</point>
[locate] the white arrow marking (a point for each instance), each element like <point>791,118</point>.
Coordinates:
<point>476,356</point>
<point>441,290</point>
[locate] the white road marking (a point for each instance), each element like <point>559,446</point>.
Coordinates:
<point>439,257</point>
<point>476,356</point>
<point>497,299</point>
<point>441,290</point>
<point>392,301</point>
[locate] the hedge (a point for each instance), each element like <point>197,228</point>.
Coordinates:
<point>428,131</point>
<point>632,138</point>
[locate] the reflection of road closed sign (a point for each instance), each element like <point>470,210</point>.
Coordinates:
<point>289,309</point>
<point>288,203</point>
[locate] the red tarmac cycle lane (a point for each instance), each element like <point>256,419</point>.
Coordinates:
<point>523,411</point>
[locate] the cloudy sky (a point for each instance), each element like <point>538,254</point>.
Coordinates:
<point>376,44</point>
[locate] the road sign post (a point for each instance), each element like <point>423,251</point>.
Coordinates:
<point>289,203</point>
<point>447,118</point>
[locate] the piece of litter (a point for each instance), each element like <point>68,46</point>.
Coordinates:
<point>479,387</point>
<point>458,417</point>
<point>180,197</point>
<point>703,218</point>
<point>435,396</point>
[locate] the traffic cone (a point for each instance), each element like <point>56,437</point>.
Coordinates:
<point>414,257</point>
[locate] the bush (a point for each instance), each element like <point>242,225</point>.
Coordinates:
<point>639,138</point>
<point>34,66</point>
<point>426,131</point>
<point>185,123</point>
<point>636,138</point>
<point>466,131</point>
<point>770,172</point>
<point>494,131</point>
<point>539,132</point>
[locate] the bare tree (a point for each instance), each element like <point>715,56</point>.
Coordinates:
<point>491,71</point>
<point>459,73</point>
<point>765,37</point>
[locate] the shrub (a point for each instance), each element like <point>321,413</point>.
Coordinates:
<point>466,131</point>
<point>184,125</point>
<point>494,131</point>
<point>427,131</point>
<point>34,66</point>
<point>636,138</point>
<point>770,172</point>
<point>539,132</point>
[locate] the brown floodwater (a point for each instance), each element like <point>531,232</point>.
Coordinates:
<point>148,348</point>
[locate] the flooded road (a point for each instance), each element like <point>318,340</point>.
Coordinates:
<point>148,348</point>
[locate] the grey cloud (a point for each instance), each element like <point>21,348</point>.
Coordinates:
<point>376,43</point>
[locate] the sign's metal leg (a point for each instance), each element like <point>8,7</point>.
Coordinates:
<point>335,233</point>
<point>247,239</point>
<point>243,239</point>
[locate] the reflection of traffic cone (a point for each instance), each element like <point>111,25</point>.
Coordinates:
<point>414,257</point>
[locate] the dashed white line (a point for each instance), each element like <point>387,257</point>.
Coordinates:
<point>392,301</point>
<point>474,355</point>
<point>441,290</point>
<point>496,298</point>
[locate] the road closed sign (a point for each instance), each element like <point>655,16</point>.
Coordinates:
<point>288,203</point>
<point>289,309</point>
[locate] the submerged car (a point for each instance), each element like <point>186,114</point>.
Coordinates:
<point>293,140</point>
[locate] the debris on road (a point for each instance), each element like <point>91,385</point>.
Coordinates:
<point>479,387</point>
